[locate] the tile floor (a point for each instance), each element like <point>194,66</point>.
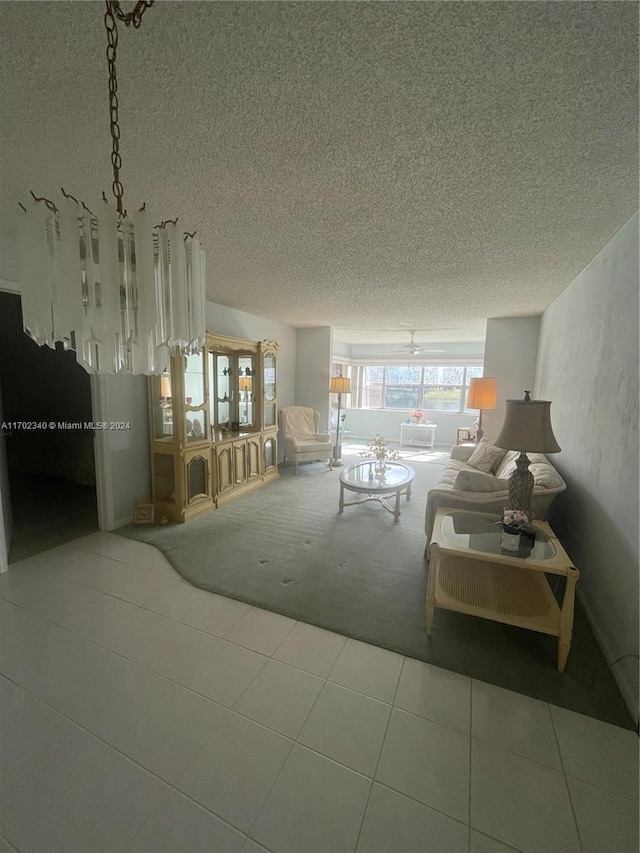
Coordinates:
<point>141,714</point>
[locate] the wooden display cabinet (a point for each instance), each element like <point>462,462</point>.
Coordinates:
<point>213,424</point>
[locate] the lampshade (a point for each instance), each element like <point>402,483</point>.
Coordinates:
<point>482,393</point>
<point>340,385</point>
<point>165,385</point>
<point>244,383</point>
<point>527,427</point>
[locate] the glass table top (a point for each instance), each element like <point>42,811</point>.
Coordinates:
<point>480,532</point>
<point>363,475</point>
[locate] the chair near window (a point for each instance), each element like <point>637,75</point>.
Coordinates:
<point>301,438</point>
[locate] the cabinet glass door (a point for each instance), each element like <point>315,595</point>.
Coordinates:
<point>194,398</point>
<point>269,389</point>
<point>162,403</point>
<point>223,389</point>
<point>246,390</point>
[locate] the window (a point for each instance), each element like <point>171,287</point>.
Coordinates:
<point>434,387</point>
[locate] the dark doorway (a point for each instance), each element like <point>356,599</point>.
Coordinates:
<point>46,408</point>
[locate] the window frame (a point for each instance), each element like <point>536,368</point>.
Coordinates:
<point>358,375</point>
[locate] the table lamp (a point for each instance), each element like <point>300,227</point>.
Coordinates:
<point>482,395</point>
<point>526,427</point>
<point>339,385</point>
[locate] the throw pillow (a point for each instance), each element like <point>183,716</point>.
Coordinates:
<point>476,481</point>
<point>486,457</point>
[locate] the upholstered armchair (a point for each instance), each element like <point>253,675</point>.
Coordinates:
<point>299,427</point>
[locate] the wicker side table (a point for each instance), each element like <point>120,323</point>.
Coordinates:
<point>470,573</point>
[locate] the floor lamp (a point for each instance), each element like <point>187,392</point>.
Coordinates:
<point>482,395</point>
<point>339,385</point>
<point>526,427</point>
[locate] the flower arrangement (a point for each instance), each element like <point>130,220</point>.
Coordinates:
<point>417,415</point>
<point>515,518</point>
<point>379,447</point>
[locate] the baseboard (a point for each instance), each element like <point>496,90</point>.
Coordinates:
<point>367,438</point>
<point>9,286</point>
<point>627,690</point>
<point>117,522</point>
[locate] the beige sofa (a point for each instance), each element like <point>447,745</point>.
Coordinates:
<point>490,492</point>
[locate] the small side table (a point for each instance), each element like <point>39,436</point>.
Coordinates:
<point>466,435</point>
<point>422,434</point>
<point>470,573</point>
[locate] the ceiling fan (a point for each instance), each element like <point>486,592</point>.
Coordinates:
<point>414,349</point>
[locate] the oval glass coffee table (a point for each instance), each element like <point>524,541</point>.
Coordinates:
<point>362,479</point>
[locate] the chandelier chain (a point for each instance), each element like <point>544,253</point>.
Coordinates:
<point>134,17</point>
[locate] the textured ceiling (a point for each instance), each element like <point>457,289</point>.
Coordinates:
<point>352,164</point>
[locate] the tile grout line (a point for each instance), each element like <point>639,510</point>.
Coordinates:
<point>294,740</point>
<point>173,681</point>
<point>169,619</point>
<point>116,749</point>
<point>232,710</point>
<point>223,637</point>
<point>566,781</point>
<point>173,785</point>
<point>115,559</point>
<point>123,656</point>
<point>470,761</point>
<point>382,743</point>
<point>57,574</point>
<point>497,840</point>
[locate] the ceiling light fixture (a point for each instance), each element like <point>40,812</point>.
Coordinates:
<point>414,349</point>
<point>121,292</point>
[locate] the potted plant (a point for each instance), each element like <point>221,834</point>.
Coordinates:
<point>416,416</point>
<point>379,448</point>
<point>513,523</point>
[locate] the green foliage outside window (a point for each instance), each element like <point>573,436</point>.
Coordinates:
<point>442,399</point>
<point>401,397</point>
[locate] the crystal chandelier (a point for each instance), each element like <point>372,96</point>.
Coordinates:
<point>119,291</point>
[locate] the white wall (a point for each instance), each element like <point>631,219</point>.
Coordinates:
<point>239,324</point>
<point>123,468</point>
<point>340,349</point>
<point>313,370</point>
<point>510,354</point>
<point>588,367</point>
